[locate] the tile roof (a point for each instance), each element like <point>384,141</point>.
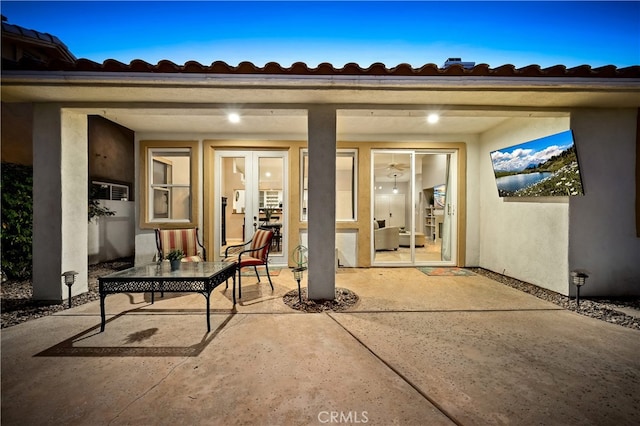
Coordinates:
<point>45,39</point>
<point>24,32</point>
<point>325,69</point>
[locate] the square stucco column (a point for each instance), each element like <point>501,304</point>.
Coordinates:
<point>322,203</point>
<point>60,204</point>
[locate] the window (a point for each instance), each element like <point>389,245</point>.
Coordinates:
<point>170,184</point>
<point>346,184</point>
<point>170,195</point>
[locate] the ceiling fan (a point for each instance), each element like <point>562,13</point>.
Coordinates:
<point>400,167</point>
<point>393,167</point>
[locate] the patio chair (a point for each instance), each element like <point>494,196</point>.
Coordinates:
<point>254,252</point>
<point>180,239</point>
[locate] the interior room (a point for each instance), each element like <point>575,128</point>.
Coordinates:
<point>394,216</point>
<point>237,223</point>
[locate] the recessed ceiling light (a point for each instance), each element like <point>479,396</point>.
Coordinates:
<point>433,118</point>
<point>234,117</point>
<point>268,174</point>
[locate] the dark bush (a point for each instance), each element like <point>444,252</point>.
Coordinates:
<point>17,220</point>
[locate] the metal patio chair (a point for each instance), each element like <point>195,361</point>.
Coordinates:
<point>254,252</point>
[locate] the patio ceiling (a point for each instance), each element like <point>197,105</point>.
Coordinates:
<point>292,124</point>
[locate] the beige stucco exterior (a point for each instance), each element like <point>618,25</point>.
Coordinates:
<point>376,112</point>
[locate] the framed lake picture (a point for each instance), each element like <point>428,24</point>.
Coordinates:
<point>539,168</point>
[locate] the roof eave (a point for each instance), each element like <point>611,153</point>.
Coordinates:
<point>321,81</point>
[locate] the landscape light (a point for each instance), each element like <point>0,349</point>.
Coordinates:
<point>69,279</point>
<point>579,279</point>
<point>299,256</point>
<point>297,275</point>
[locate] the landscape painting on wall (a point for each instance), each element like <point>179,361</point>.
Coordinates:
<point>539,168</point>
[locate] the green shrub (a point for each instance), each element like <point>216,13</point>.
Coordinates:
<point>17,220</point>
<point>95,208</point>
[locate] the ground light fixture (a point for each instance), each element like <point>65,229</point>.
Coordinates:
<point>579,278</point>
<point>69,279</point>
<point>297,275</point>
<point>299,256</point>
<point>395,184</point>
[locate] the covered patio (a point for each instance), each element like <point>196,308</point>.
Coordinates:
<point>416,349</point>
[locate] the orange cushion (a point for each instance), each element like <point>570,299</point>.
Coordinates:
<point>250,261</point>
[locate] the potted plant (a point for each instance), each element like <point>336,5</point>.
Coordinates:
<point>175,257</point>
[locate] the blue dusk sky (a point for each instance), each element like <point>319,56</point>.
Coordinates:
<point>519,157</point>
<point>496,33</point>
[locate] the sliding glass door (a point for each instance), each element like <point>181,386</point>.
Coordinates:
<point>414,207</point>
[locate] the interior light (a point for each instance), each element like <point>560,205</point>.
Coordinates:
<point>234,117</point>
<point>395,184</point>
<point>268,174</point>
<point>433,118</point>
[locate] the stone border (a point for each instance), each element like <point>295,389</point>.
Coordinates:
<point>344,300</point>
<point>612,310</point>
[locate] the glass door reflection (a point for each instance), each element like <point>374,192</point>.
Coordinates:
<point>233,198</point>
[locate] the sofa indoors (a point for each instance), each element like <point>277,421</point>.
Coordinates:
<point>385,238</point>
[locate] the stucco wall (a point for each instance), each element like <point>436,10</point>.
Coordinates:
<point>111,155</point>
<point>434,170</point>
<point>523,238</point>
<point>472,253</point>
<point>17,133</point>
<point>112,237</point>
<point>110,145</point>
<point>602,234</point>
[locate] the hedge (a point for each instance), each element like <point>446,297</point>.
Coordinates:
<point>17,220</point>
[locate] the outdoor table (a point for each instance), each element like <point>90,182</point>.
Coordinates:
<point>195,277</point>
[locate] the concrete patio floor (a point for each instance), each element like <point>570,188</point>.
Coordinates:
<point>415,350</point>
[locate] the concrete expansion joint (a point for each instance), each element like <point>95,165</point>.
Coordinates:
<point>398,373</point>
<point>143,394</point>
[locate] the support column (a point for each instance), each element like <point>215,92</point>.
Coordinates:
<point>60,201</point>
<point>322,202</point>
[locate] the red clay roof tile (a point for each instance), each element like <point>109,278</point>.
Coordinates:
<point>300,68</point>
